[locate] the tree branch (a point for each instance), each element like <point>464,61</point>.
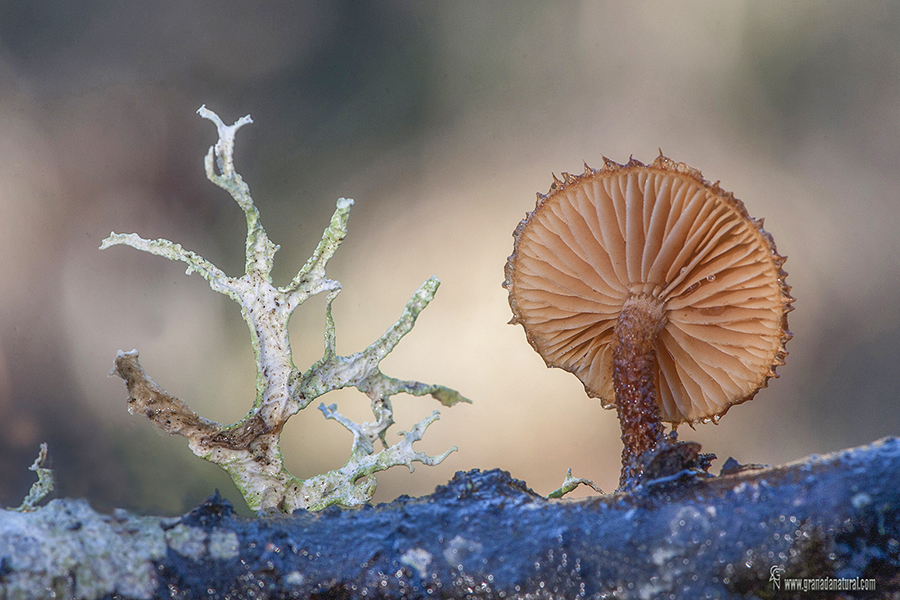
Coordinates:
<point>486,535</point>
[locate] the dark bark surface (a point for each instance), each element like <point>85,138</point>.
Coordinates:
<point>486,535</point>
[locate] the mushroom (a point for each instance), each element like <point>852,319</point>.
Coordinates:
<point>657,290</point>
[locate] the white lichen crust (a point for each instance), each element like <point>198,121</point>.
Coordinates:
<point>249,450</point>
<point>67,550</point>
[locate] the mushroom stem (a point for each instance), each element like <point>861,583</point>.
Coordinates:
<point>636,382</point>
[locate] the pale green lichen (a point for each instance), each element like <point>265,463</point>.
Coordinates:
<point>223,545</point>
<point>41,487</point>
<point>187,541</point>
<point>67,550</point>
<point>249,450</point>
<point>570,484</point>
<point>419,559</point>
<point>195,543</point>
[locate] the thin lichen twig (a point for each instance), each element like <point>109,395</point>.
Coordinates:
<point>570,484</point>
<point>40,488</point>
<point>361,369</point>
<point>314,269</point>
<point>354,483</point>
<point>217,280</point>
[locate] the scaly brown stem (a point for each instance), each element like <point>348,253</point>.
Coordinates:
<point>636,383</point>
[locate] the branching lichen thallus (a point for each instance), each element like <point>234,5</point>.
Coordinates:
<point>249,450</point>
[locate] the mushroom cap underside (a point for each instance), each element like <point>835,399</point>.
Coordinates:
<point>662,231</point>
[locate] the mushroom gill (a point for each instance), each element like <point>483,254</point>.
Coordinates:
<point>655,288</point>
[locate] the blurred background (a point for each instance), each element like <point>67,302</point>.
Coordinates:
<point>441,120</point>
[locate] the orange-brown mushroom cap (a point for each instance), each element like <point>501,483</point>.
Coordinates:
<point>660,233</point>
